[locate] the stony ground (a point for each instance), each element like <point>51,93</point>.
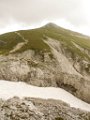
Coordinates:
<point>39,109</point>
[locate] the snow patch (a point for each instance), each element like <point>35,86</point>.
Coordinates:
<point>10,89</point>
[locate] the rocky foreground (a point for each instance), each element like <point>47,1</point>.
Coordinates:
<point>39,109</point>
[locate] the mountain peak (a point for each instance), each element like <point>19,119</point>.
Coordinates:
<point>51,25</point>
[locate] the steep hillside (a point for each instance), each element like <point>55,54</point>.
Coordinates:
<point>73,41</point>
<point>47,56</point>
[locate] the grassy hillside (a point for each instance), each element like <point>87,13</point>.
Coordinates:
<point>35,39</point>
<point>8,41</point>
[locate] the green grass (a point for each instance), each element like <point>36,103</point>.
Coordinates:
<point>35,40</point>
<point>10,40</point>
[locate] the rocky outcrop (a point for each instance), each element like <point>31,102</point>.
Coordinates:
<point>39,109</point>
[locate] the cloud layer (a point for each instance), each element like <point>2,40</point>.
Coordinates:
<point>34,12</point>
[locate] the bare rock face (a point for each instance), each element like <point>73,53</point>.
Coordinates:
<point>38,109</point>
<point>16,109</point>
<point>56,68</point>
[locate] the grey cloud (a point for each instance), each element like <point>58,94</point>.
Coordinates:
<point>35,11</point>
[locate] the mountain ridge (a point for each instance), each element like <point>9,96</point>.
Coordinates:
<point>47,56</point>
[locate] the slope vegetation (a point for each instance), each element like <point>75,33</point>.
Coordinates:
<point>35,40</point>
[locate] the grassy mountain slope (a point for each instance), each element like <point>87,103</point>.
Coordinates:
<point>35,40</point>
<point>8,41</point>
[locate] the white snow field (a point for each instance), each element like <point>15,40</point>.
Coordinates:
<point>10,89</point>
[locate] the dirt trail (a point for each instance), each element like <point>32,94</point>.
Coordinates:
<point>19,45</point>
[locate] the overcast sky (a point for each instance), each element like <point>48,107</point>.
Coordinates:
<point>25,14</point>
